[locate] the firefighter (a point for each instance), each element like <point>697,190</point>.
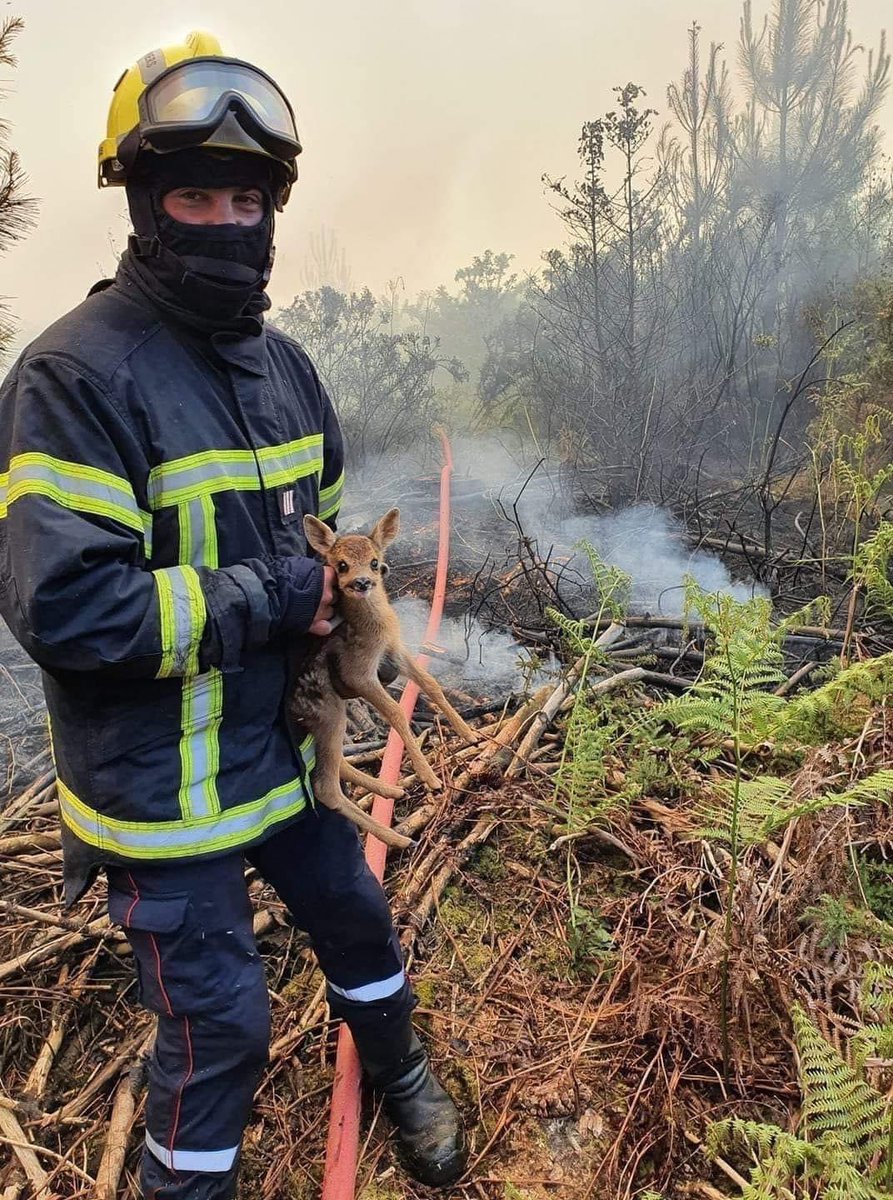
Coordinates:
<point>160,445</point>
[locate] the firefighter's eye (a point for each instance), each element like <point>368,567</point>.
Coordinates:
<point>343,568</point>
<point>374,564</point>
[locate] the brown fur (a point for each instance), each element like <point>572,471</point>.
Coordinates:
<point>326,671</point>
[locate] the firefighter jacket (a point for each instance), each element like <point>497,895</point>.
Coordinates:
<point>149,473</point>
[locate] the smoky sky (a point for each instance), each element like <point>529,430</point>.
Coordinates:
<point>427,124</point>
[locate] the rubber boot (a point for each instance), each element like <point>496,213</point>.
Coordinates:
<point>430,1137</point>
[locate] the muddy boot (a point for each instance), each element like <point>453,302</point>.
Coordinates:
<point>430,1137</point>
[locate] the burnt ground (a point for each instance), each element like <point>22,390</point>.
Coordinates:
<point>569,990</point>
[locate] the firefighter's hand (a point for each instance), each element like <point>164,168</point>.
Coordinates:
<point>322,620</point>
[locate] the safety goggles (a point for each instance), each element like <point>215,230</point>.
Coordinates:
<point>186,104</point>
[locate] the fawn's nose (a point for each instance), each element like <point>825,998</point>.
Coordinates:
<point>363,584</point>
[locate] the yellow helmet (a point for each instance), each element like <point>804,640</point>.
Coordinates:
<point>191,95</point>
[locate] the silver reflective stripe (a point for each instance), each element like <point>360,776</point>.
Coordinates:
<point>182,616</point>
<point>201,714</point>
<point>198,532</point>
<point>372,991</point>
<point>177,839</point>
<point>75,486</point>
<point>186,479</point>
<point>330,498</point>
<point>285,464</point>
<point>210,471</point>
<point>193,1160</point>
<point>201,709</point>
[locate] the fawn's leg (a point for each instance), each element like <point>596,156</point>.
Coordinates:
<point>329,735</point>
<point>350,774</point>
<point>392,712</point>
<point>432,689</point>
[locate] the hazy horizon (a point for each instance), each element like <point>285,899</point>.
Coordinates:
<point>426,127</point>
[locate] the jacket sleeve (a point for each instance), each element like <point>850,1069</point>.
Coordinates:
<point>331,483</point>
<point>75,541</point>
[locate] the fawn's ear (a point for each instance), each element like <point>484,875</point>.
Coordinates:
<point>386,529</point>
<point>318,534</point>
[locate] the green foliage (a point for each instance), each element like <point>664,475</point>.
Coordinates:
<point>845,1131</point>
<point>768,804</point>
<point>875,1038</point>
<point>838,920</point>
<point>744,663</point>
<point>593,729</point>
<point>837,709</point>
<point>591,943</point>
<point>871,569</point>
<point>876,882</point>
<point>780,1155</point>
<point>613,585</point>
<point>591,734</point>
<point>579,635</point>
<point>857,483</point>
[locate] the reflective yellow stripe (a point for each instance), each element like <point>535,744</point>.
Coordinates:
<point>182,612</point>
<point>330,498</point>
<point>74,486</point>
<point>201,710</point>
<point>203,474</point>
<point>181,839</point>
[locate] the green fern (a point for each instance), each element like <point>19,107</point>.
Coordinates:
<point>578,635</point>
<point>767,805</point>
<point>871,568</point>
<point>838,920</point>
<point>613,585</point>
<point>780,1156</point>
<point>837,1103</point>
<point>591,735</point>
<point>845,1131</point>
<point>740,672</point>
<point>838,707</point>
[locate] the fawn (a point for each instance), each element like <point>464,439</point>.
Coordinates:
<point>326,672</point>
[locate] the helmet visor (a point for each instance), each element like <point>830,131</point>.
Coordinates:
<point>185,105</point>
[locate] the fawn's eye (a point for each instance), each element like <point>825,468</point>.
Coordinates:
<point>343,567</point>
<point>374,564</point>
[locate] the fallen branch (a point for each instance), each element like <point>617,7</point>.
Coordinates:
<point>120,1123</point>
<point>15,1138</point>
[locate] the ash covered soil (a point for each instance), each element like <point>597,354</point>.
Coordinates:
<point>23,727</point>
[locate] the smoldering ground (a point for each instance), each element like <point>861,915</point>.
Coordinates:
<point>507,503</point>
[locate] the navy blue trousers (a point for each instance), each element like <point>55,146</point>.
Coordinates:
<point>190,926</point>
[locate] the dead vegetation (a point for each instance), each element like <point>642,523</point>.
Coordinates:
<point>572,960</point>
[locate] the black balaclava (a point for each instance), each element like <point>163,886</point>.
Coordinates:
<point>212,277</point>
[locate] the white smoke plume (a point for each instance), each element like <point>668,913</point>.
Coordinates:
<point>465,654</point>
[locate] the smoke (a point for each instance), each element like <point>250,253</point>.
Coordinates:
<point>649,544</point>
<point>466,655</point>
<point>646,542</point>
<point>500,493</point>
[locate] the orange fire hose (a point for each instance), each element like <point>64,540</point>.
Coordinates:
<point>342,1146</point>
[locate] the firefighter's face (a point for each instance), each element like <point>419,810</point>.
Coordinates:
<point>215,206</point>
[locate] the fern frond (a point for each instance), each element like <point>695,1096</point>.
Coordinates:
<point>874,788</point>
<point>871,567</point>
<point>763,808</point>
<point>579,635</point>
<point>838,1105</point>
<point>613,585</point>
<point>838,707</point>
<point>781,1156</point>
